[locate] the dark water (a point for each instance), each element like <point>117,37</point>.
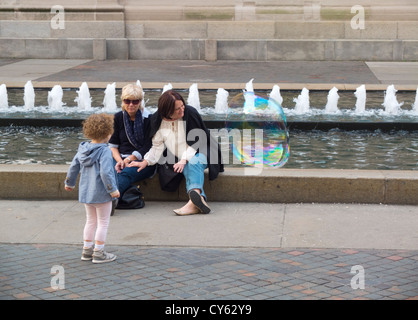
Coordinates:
<point>334,149</point>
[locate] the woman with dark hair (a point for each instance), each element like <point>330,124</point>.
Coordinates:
<point>180,129</point>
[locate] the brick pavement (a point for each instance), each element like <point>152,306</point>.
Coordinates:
<point>187,273</point>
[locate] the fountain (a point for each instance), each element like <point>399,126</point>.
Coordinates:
<point>29,96</point>
<point>4,102</point>
<point>84,99</point>
<point>109,101</point>
<point>391,104</point>
<point>307,105</point>
<point>55,98</point>
<point>332,103</point>
<point>361,99</point>
<point>193,99</point>
<point>352,115</point>
<point>302,102</point>
<point>221,104</point>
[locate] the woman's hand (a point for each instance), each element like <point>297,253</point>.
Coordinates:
<point>179,166</point>
<point>119,166</point>
<point>140,164</point>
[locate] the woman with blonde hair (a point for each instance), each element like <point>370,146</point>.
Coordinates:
<point>130,140</point>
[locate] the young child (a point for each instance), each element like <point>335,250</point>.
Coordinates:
<point>97,184</point>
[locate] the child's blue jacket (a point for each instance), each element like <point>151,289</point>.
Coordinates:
<point>98,176</point>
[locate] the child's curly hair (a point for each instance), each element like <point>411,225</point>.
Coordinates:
<point>98,126</point>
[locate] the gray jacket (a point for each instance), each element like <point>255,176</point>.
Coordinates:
<point>98,176</point>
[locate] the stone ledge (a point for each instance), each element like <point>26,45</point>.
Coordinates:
<point>46,182</point>
<point>195,49</point>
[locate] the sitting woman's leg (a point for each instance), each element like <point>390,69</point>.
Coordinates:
<point>194,174</point>
<point>129,176</point>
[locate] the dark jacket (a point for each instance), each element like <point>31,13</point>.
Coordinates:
<point>120,138</point>
<point>211,148</point>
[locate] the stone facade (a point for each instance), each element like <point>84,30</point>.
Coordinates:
<point>265,30</point>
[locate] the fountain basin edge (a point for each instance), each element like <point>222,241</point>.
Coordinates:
<point>46,182</point>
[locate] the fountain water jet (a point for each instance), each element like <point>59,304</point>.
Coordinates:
<point>4,103</point>
<point>167,87</point>
<point>83,99</point>
<point>138,83</point>
<point>55,98</point>
<point>302,102</point>
<point>332,102</point>
<point>193,98</point>
<point>109,101</point>
<point>415,105</point>
<point>391,104</point>
<point>29,96</point>
<point>361,99</point>
<point>221,104</point>
<point>275,94</point>
<point>249,97</point>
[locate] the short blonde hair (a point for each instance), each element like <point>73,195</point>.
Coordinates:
<point>132,92</point>
<point>98,126</point>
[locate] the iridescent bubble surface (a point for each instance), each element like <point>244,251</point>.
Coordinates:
<point>258,131</point>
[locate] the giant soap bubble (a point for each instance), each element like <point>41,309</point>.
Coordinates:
<point>257,131</point>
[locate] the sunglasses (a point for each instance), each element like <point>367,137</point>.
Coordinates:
<point>128,102</point>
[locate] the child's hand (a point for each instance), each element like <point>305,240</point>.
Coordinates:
<point>115,194</point>
<point>68,188</point>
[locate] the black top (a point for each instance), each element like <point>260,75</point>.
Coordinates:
<point>120,138</point>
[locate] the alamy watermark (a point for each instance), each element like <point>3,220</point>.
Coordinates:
<point>58,20</point>
<point>358,21</point>
<point>58,277</point>
<point>358,281</point>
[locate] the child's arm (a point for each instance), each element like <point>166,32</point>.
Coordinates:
<point>107,173</point>
<point>72,174</point>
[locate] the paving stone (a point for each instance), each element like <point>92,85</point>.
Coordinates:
<point>213,273</point>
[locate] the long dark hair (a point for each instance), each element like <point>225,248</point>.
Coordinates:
<point>167,102</point>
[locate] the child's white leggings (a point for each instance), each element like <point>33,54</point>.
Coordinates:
<point>98,216</point>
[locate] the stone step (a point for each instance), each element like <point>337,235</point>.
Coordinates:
<point>251,30</point>
<point>211,50</point>
<point>267,30</point>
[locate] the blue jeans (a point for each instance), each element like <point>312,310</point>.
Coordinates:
<point>129,176</point>
<point>194,173</point>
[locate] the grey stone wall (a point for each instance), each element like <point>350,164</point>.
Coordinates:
<point>226,30</point>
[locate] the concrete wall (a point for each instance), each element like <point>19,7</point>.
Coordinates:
<point>211,50</point>
<point>234,185</point>
<point>264,30</point>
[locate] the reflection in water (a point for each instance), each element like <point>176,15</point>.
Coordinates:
<point>335,149</point>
